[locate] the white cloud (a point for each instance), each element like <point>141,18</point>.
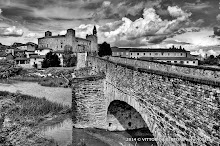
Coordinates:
<point>106,3</point>
<point>176,12</point>
<point>31,35</point>
<point>203,53</point>
<point>59,12</point>
<point>200,38</point>
<point>0,11</point>
<point>11,31</point>
<point>149,29</point>
<point>218,17</point>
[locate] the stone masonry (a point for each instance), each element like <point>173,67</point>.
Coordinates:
<point>172,105</point>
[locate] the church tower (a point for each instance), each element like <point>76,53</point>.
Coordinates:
<point>94,31</point>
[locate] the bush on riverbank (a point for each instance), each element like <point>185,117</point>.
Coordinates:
<point>53,82</point>
<point>30,107</point>
<point>24,113</point>
<point>7,69</point>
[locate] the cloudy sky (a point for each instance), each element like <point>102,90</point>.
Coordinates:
<point>152,23</point>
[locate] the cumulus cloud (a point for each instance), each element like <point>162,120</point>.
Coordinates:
<point>31,35</point>
<point>148,29</point>
<point>198,6</point>
<point>176,12</point>
<point>205,53</point>
<point>218,17</point>
<point>200,38</point>
<point>110,10</point>
<point>11,31</point>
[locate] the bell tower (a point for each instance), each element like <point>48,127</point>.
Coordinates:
<point>94,31</point>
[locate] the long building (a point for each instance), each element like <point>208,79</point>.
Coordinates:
<point>59,42</point>
<point>171,55</point>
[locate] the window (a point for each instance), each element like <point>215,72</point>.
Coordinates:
<point>131,53</point>
<point>156,53</point>
<point>175,61</point>
<point>137,53</point>
<point>61,46</point>
<point>144,53</point>
<point>194,62</point>
<point>150,53</point>
<point>182,62</point>
<point>162,54</point>
<point>187,61</point>
<point>181,54</point>
<point>168,54</point>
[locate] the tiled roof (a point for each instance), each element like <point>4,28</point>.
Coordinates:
<point>21,58</point>
<point>44,48</point>
<point>116,49</point>
<point>37,56</point>
<point>157,50</point>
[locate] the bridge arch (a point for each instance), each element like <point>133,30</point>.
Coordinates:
<point>146,118</point>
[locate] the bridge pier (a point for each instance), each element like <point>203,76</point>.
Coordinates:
<point>88,102</point>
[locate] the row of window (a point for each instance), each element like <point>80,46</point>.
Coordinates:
<point>181,54</point>
<point>182,62</point>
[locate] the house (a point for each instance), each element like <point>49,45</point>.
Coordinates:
<point>122,52</point>
<point>60,54</point>
<point>22,62</point>
<point>36,60</point>
<point>171,55</point>
<point>43,51</point>
<point>2,55</point>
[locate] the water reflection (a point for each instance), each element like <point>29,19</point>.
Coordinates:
<point>66,135</point>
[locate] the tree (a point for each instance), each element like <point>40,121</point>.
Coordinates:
<point>104,50</point>
<point>69,59</point>
<point>51,60</point>
<point>68,49</point>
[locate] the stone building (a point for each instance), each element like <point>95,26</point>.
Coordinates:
<point>59,42</point>
<point>171,55</point>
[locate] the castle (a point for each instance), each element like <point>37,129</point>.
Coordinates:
<point>58,43</point>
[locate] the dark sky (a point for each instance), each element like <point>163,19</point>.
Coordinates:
<point>119,22</point>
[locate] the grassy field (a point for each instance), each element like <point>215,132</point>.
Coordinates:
<point>25,113</point>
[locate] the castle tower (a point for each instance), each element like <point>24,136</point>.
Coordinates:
<point>70,32</point>
<point>48,34</point>
<point>94,31</point>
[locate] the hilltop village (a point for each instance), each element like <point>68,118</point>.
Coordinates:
<point>31,55</point>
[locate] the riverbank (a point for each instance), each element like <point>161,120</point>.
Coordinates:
<point>21,116</point>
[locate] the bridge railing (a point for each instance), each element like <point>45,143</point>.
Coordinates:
<point>198,74</point>
<point>193,71</point>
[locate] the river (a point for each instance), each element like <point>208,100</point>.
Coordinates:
<point>64,133</point>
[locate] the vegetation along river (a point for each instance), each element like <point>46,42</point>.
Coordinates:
<point>64,133</point>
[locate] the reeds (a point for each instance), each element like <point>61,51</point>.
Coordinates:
<point>30,106</point>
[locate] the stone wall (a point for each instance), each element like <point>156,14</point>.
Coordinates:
<point>194,71</point>
<point>81,60</point>
<point>172,105</point>
<point>88,102</point>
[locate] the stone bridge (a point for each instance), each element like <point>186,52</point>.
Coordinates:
<point>178,104</point>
